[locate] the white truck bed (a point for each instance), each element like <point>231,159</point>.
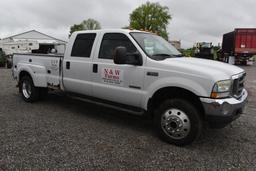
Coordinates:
<point>45,68</point>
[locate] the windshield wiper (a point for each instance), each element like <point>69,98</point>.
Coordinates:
<point>178,55</point>
<point>161,54</point>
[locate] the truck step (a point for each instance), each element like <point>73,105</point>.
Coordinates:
<point>120,107</point>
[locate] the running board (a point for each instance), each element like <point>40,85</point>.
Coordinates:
<point>135,112</point>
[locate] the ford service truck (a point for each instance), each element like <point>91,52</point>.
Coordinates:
<point>140,73</point>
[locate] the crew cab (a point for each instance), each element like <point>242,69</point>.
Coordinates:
<point>141,73</point>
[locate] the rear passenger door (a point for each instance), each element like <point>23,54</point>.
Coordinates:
<point>77,65</point>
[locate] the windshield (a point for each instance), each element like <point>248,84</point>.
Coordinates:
<point>155,46</point>
<point>206,45</point>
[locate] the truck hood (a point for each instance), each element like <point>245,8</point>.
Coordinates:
<point>202,67</point>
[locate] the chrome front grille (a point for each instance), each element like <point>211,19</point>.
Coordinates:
<point>238,85</point>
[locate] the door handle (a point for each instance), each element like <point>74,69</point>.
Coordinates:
<point>67,65</point>
<point>95,68</point>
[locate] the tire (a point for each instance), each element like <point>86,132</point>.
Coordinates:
<point>28,91</point>
<point>177,122</point>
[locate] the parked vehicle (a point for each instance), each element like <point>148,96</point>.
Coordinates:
<point>204,50</point>
<point>24,46</point>
<point>240,43</point>
<point>140,73</point>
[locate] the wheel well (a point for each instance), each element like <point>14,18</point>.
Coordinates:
<point>24,73</point>
<point>174,92</point>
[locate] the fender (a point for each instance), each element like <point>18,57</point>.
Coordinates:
<point>37,72</point>
<point>184,83</point>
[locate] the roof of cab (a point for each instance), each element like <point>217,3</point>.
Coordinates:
<point>110,31</point>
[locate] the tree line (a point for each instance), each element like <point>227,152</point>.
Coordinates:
<point>149,17</point>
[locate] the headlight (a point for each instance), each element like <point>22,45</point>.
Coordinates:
<point>221,89</point>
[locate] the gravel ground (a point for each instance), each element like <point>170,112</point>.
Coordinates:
<point>64,134</point>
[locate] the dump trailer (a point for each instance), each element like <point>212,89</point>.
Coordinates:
<point>204,50</point>
<point>240,43</point>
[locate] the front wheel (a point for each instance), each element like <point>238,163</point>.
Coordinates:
<point>29,92</point>
<point>178,122</point>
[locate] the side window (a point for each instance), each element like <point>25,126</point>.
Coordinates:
<point>112,40</point>
<point>83,45</point>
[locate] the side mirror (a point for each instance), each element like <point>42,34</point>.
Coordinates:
<point>122,57</point>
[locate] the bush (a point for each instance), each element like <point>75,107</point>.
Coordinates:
<point>254,58</point>
<point>2,59</point>
<point>188,52</point>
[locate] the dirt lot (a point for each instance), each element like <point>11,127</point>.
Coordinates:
<point>60,133</point>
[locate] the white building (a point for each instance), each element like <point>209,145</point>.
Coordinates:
<point>31,42</point>
<point>176,44</point>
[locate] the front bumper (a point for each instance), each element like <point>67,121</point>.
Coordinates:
<point>220,112</point>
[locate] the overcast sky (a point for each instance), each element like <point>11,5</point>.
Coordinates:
<point>192,20</point>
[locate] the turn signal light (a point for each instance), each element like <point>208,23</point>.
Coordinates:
<point>214,95</point>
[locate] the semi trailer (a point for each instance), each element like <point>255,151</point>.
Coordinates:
<point>240,43</point>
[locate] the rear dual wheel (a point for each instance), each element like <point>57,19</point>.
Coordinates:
<point>29,92</point>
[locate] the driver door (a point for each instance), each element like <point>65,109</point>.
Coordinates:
<point>117,83</point>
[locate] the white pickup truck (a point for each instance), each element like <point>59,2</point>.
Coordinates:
<point>141,73</point>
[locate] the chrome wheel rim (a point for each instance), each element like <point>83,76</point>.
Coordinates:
<point>175,123</point>
<point>26,89</point>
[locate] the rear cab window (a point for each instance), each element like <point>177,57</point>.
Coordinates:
<point>83,45</point>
